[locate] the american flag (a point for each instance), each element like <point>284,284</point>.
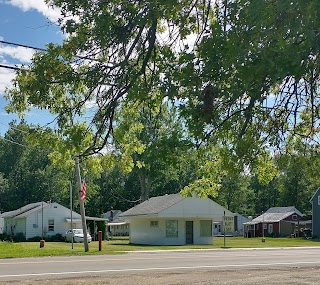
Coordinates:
<point>83,190</point>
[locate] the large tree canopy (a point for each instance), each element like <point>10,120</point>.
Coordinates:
<point>250,67</point>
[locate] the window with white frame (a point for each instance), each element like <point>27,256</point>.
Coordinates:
<point>319,200</point>
<point>205,228</point>
<point>154,224</point>
<point>294,217</point>
<point>50,225</point>
<point>171,228</point>
<point>265,226</point>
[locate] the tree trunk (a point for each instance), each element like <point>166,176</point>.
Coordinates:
<point>144,186</point>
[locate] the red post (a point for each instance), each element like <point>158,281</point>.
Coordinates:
<point>100,239</point>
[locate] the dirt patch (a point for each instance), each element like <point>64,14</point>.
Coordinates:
<point>272,276</point>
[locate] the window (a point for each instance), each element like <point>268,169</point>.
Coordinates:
<point>294,217</point>
<point>265,226</point>
<point>171,228</point>
<point>319,200</point>
<point>154,224</point>
<point>270,228</point>
<point>206,228</point>
<point>50,225</point>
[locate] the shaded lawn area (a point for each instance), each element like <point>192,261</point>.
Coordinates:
<point>118,246</point>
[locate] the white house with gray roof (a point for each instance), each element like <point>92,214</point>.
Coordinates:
<point>174,220</point>
<point>40,218</point>
<point>276,221</point>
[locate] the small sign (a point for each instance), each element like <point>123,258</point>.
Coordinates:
<point>228,224</point>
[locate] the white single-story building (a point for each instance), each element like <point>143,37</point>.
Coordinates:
<point>42,219</point>
<point>119,228</point>
<point>116,226</point>
<point>174,220</point>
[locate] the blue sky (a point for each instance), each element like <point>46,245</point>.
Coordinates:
<point>26,22</point>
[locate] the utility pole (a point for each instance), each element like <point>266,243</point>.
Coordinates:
<point>82,211</point>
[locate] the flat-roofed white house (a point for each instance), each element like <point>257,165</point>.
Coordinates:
<point>174,220</point>
<point>40,219</point>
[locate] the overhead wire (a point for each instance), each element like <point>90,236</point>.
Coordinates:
<point>21,45</point>
<point>119,196</point>
<point>42,49</point>
<point>20,144</point>
<point>14,128</point>
<point>10,67</point>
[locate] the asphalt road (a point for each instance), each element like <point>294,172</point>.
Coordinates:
<point>155,261</point>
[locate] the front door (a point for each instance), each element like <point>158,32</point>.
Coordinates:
<point>189,232</point>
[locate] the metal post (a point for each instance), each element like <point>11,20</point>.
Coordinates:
<point>42,220</point>
<point>100,239</point>
<point>224,228</point>
<point>71,210</point>
<point>82,210</point>
<point>263,239</point>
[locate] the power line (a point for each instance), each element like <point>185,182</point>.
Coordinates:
<point>14,128</point>
<point>16,143</point>
<point>42,49</point>
<point>10,67</point>
<point>21,45</point>
<point>126,200</point>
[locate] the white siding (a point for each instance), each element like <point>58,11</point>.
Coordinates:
<point>142,233</point>
<point>53,211</point>
<point>241,220</point>
<point>20,226</point>
<point>1,225</point>
<point>189,209</point>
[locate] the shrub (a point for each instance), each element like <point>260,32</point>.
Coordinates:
<point>5,237</point>
<point>35,239</point>
<point>56,237</point>
<point>19,237</point>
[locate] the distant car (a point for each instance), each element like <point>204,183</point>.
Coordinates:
<point>77,236</point>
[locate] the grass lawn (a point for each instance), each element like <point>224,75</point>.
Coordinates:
<point>118,246</point>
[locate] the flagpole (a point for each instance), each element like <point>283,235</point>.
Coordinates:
<point>82,210</point>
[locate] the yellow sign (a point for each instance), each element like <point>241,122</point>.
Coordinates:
<point>228,224</point>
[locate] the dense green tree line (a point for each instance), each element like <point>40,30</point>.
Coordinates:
<point>27,175</point>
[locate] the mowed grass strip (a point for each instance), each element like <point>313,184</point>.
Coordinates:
<point>118,246</point>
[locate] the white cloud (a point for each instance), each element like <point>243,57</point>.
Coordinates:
<point>6,76</point>
<point>20,53</point>
<point>39,5</point>
<point>8,55</point>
